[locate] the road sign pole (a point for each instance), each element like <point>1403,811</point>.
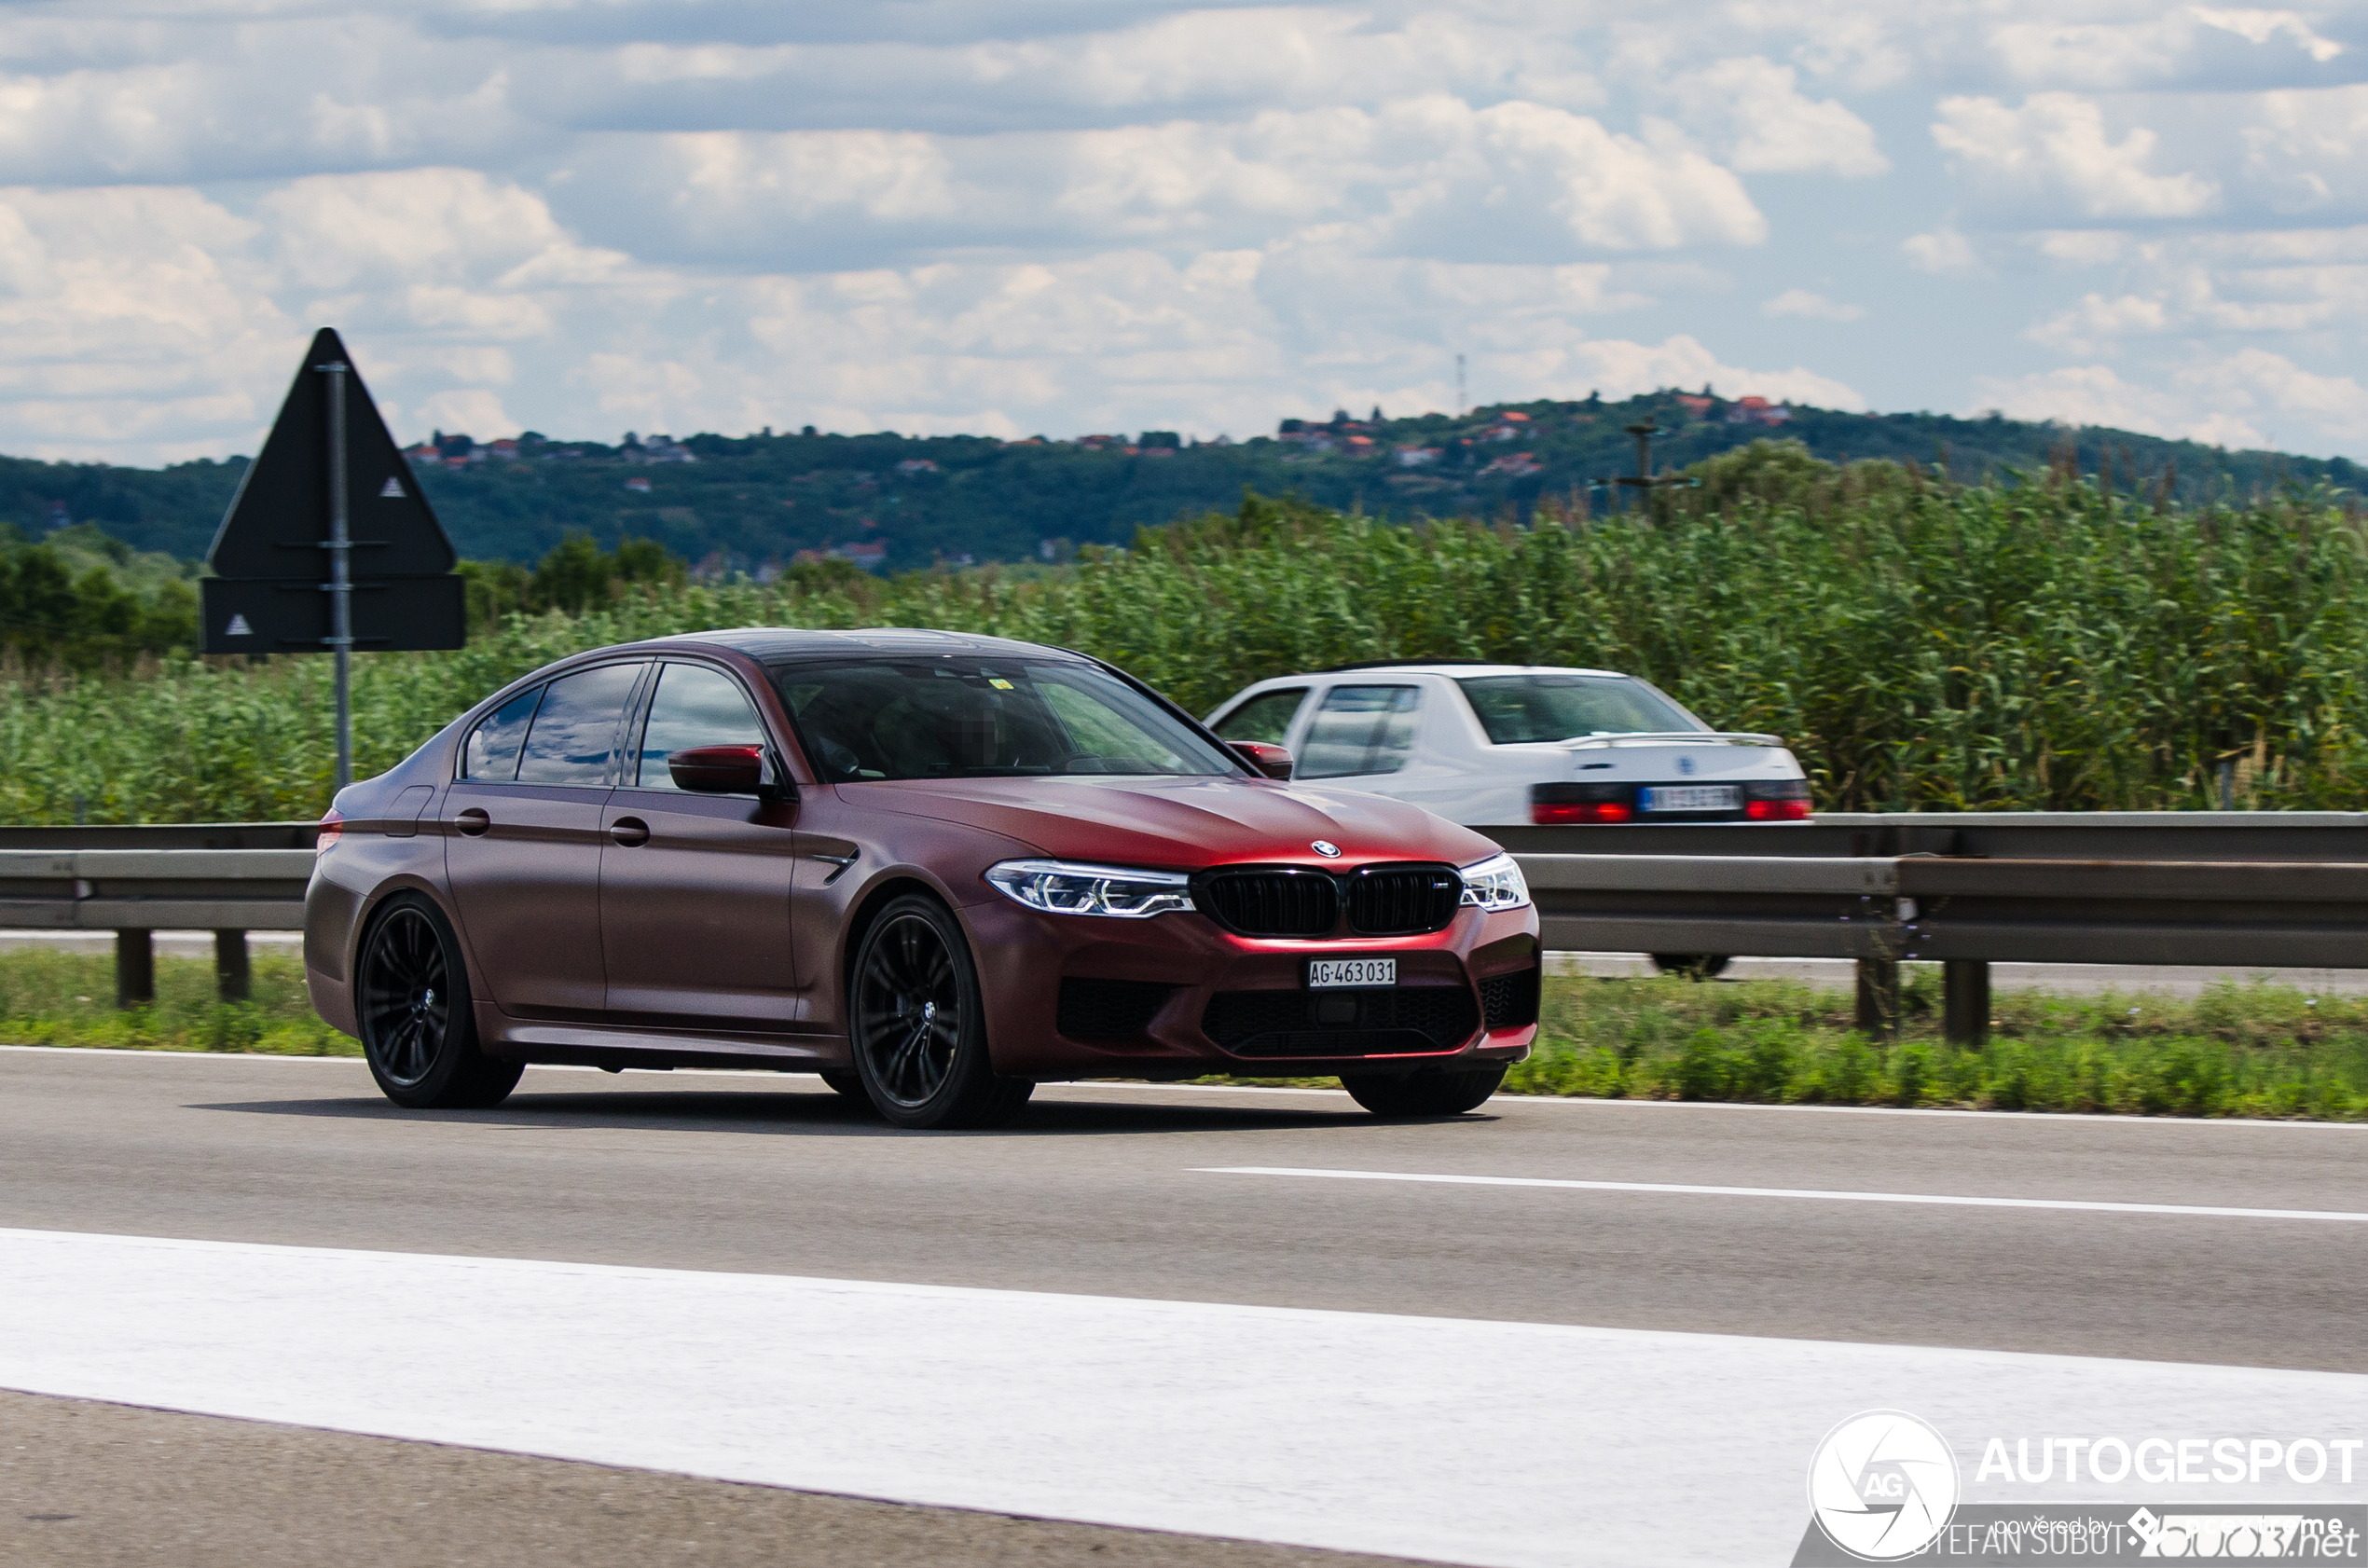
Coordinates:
<point>341,637</point>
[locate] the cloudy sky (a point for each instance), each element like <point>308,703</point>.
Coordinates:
<point>1011,216</point>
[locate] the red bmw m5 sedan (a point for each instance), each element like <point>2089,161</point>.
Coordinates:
<point>934,869</point>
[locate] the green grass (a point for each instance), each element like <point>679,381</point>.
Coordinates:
<point>68,998</point>
<point>2240,1049</point>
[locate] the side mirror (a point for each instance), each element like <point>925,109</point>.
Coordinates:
<point>1273,761</point>
<point>725,770</point>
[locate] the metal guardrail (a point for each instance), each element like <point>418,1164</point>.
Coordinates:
<point>1965,889</point>
<point>255,882</point>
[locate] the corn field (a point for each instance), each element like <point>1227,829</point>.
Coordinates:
<point>2053,644</point>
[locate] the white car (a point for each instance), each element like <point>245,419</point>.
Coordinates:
<point>1496,745</point>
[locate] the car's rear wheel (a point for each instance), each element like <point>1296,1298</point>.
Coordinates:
<point>1430,1092</point>
<point>411,1000</point>
<point>919,1026</point>
<point>1693,966</point>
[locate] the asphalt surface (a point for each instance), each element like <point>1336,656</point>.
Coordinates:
<point>105,1486</point>
<point>1103,1190</point>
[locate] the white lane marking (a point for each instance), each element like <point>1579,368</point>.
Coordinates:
<point>1509,1445</point>
<point>1692,1190</point>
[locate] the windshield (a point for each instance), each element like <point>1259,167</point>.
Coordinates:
<point>1554,705</point>
<point>970,718</point>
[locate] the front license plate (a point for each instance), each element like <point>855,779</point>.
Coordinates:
<point>1691,797</point>
<point>1337,974</point>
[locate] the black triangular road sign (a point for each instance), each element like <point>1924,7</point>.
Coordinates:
<point>278,520</point>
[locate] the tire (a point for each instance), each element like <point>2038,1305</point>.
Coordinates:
<point>848,1081</point>
<point>918,1026</point>
<point>411,1000</point>
<point>1425,1094</point>
<point>1693,966</point>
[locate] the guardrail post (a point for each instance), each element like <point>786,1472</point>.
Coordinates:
<point>135,968</point>
<point>1879,997</point>
<point>232,978</point>
<point>1965,999</point>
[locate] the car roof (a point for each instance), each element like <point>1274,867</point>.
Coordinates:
<point>1460,668</point>
<point>775,642</point>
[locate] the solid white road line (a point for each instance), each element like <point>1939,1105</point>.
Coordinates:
<point>1691,1190</point>
<point>1514,1444</point>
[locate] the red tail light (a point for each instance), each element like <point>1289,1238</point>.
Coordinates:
<point>331,829</point>
<point>1776,811</point>
<point>1556,813</point>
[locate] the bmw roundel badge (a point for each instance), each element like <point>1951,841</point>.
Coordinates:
<point>1327,849</point>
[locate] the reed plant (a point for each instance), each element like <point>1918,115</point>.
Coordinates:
<point>2049,643</point>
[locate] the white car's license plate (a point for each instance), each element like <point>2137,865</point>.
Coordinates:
<point>1334,974</point>
<point>1690,797</point>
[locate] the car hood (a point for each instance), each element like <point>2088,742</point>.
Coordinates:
<point>1182,824</point>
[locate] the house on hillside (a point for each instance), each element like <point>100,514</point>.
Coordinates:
<point>917,465</point>
<point>638,485</point>
<point>1757,411</point>
<point>1415,457</point>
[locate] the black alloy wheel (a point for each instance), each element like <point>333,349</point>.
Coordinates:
<point>1427,1093</point>
<point>411,1000</point>
<point>1691,966</point>
<point>918,1025</point>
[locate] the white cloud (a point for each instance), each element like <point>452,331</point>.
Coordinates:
<point>1944,252</point>
<point>1000,215</point>
<point>2261,27</point>
<point>1806,302</point>
<point>2055,149</point>
<point>2230,400</point>
<point>1753,108</point>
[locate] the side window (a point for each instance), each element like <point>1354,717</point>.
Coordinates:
<point>1360,730</point>
<point>575,731</point>
<point>694,706</point>
<point>494,745</point>
<point>1266,717</point>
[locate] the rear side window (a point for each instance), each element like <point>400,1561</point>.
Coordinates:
<point>494,745</point>
<point>1266,717</point>
<point>575,731</point>
<point>1518,708</point>
<point>1360,730</point>
<point>694,706</point>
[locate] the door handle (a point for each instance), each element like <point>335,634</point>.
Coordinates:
<point>629,830</point>
<point>473,822</point>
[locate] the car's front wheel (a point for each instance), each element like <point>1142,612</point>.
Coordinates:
<point>1425,1094</point>
<point>419,1033</point>
<point>919,1026</point>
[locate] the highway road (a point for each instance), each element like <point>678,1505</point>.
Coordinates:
<point>1300,1298</point>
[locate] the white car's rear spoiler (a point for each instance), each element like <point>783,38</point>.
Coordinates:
<point>1668,737</point>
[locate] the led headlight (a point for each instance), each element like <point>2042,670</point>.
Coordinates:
<point>1066,887</point>
<point>1495,883</point>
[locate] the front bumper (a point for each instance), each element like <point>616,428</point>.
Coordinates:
<point>1180,977</point>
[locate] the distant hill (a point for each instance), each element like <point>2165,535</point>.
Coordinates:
<point>897,502</point>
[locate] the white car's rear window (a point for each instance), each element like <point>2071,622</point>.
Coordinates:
<point>1518,708</point>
